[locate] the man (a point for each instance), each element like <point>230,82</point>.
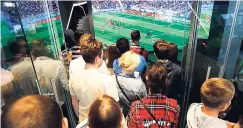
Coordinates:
<point>164,110</point>
<point>90,83</point>
<point>122,45</point>
<point>135,37</point>
<point>174,72</point>
<point>78,64</point>
<point>34,111</point>
<point>216,95</point>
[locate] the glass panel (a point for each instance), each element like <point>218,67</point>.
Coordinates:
<point>41,23</point>
<point>234,63</point>
<point>220,51</point>
<point>17,74</point>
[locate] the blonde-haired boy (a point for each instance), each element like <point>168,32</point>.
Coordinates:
<point>216,95</point>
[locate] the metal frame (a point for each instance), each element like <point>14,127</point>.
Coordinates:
<point>222,71</point>
<point>191,51</point>
<point>90,15</point>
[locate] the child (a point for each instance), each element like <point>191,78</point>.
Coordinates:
<point>216,95</point>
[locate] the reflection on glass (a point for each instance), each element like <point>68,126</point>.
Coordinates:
<point>14,57</point>
<point>41,20</point>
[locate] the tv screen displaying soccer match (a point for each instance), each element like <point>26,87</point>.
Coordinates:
<point>168,20</point>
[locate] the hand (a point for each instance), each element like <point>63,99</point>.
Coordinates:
<point>69,56</point>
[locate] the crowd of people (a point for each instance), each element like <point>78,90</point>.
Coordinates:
<point>120,90</point>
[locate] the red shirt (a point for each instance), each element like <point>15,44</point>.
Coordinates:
<point>137,49</point>
<point>165,110</point>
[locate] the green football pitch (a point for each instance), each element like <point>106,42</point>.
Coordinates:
<point>176,31</point>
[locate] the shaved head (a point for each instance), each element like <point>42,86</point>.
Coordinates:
<point>34,111</point>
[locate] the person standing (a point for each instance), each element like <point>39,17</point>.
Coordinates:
<point>90,83</point>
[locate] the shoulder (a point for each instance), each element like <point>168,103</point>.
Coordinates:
<point>218,124</point>
<point>142,58</point>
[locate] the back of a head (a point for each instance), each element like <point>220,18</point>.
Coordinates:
<point>113,54</point>
<point>135,35</point>
<point>14,48</point>
<point>77,35</point>
<point>122,45</point>
<point>90,49</point>
<point>33,111</point>
<point>129,61</point>
<point>173,52</point>
<point>41,51</point>
<point>156,77</point>
<point>105,112</point>
<point>69,38</point>
<point>216,92</point>
<point>161,49</point>
<point>85,37</point>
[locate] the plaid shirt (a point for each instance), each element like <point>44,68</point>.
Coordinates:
<point>165,110</point>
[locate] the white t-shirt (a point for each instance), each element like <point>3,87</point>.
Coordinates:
<point>87,85</point>
<point>197,119</point>
<point>78,64</point>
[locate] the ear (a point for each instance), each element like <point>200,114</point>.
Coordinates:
<point>146,77</point>
<point>64,122</point>
<point>225,106</point>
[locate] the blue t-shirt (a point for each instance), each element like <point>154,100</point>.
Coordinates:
<point>141,67</point>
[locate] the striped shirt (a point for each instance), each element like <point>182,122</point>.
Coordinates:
<point>75,54</point>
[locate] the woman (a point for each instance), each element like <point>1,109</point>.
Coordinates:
<point>156,107</point>
<point>130,87</point>
<point>113,54</point>
<point>105,112</point>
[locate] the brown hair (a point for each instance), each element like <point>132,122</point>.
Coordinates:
<point>173,52</point>
<point>90,49</point>
<point>113,54</point>
<point>33,111</point>
<point>216,91</point>
<point>135,35</point>
<point>156,78</point>
<point>161,49</point>
<point>105,112</point>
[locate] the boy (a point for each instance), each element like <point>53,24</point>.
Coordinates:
<point>216,95</point>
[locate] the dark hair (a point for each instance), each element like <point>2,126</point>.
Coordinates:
<point>122,45</point>
<point>173,52</point>
<point>34,111</point>
<point>14,48</point>
<point>77,35</point>
<point>69,38</point>
<point>135,35</point>
<point>90,49</point>
<point>105,112</point>
<point>112,55</point>
<point>161,49</point>
<point>156,78</point>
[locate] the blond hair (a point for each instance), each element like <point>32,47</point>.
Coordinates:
<point>216,92</point>
<point>129,61</point>
<point>85,37</point>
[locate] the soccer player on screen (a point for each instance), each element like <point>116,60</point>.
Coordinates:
<point>102,29</point>
<point>109,22</point>
<point>114,25</point>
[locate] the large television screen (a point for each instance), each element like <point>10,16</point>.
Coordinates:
<point>168,20</point>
